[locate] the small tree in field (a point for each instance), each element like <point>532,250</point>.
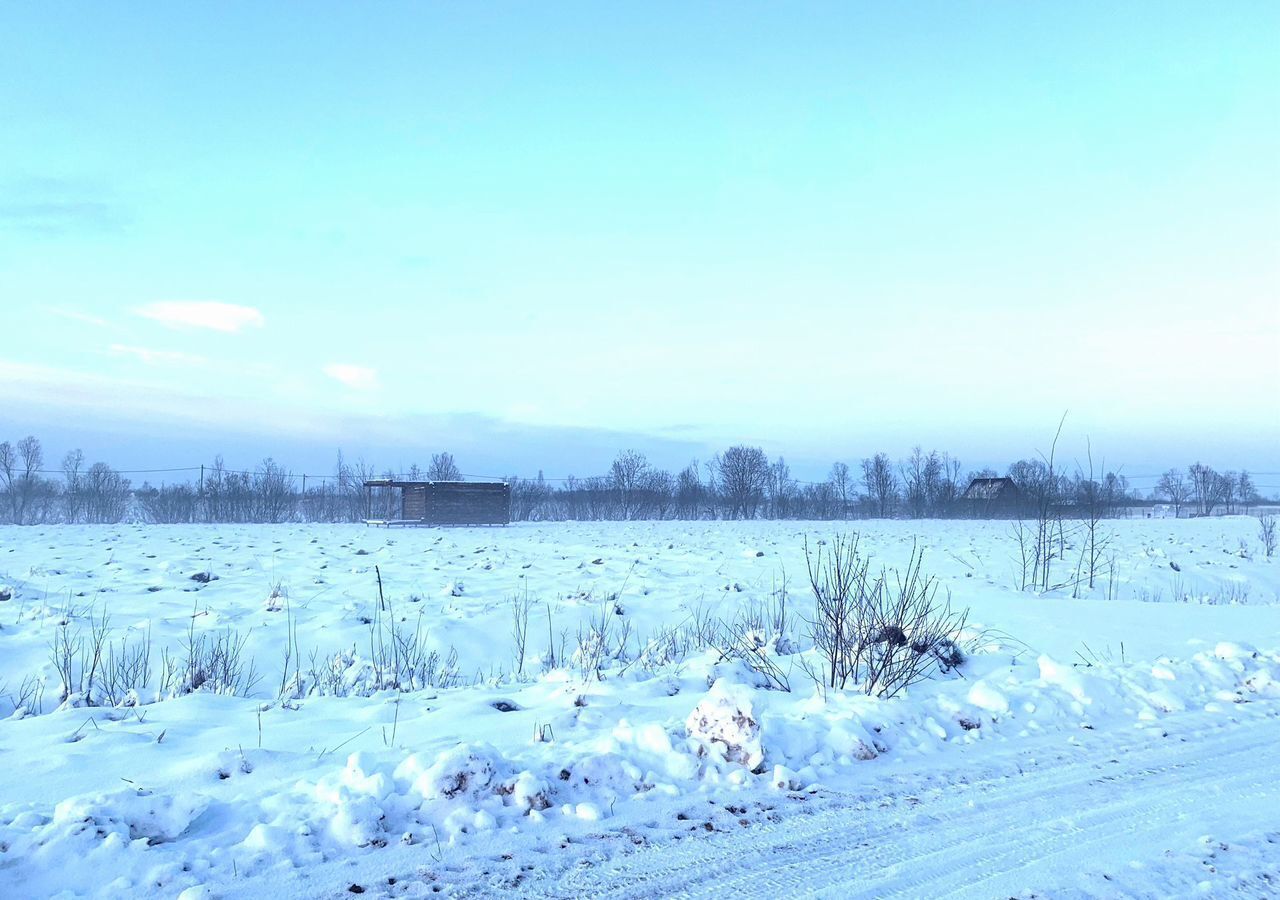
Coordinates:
<point>443,468</point>
<point>880,483</point>
<point>106,495</point>
<point>1267,533</point>
<point>1093,500</point>
<point>841,482</point>
<point>743,474</point>
<point>1246,491</point>
<point>1174,488</point>
<point>273,493</point>
<point>20,476</point>
<point>72,499</point>
<point>1041,488</point>
<point>627,475</point>
<point>1207,488</point>
<point>691,495</point>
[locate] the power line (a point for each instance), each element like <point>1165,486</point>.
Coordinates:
<point>124,471</point>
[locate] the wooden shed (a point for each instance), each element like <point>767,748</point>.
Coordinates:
<point>991,496</point>
<point>389,502</point>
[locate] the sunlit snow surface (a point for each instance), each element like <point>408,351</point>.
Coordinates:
<point>1120,743</point>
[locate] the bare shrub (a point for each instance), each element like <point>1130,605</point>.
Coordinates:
<point>398,658</point>
<point>750,647</point>
<point>1267,534</point>
<point>95,671</point>
<point>595,642</point>
<point>401,657</point>
<point>211,663</point>
<point>126,671</point>
<point>168,504</point>
<point>520,606</point>
<point>28,699</point>
<point>757,636</point>
<point>878,634</point>
<point>77,660</point>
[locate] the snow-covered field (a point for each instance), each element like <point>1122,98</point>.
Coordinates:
<point>1118,743</point>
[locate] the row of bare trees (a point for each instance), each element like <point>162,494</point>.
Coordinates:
<point>739,483</point>
<point>743,483</point>
<point>1203,490</point>
<point>29,496</point>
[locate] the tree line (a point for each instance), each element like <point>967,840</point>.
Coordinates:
<point>739,483</point>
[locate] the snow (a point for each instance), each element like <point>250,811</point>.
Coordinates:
<point>620,743</point>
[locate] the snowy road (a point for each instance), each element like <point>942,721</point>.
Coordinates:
<point>1109,815</point>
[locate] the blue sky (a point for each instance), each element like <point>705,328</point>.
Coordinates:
<point>538,233</point>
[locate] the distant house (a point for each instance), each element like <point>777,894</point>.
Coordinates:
<point>389,502</point>
<point>991,497</point>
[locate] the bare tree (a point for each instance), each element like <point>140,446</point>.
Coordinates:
<point>691,493</point>
<point>1115,493</point>
<point>1047,512</point>
<point>1206,488</point>
<point>106,495</point>
<point>626,476</point>
<point>1227,490</point>
<point>841,482</point>
<point>1093,500</point>
<point>529,497</point>
<point>172,504</point>
<point>780,490</point>
<point>1040,488</point>
<point>743,473</point>
<point>949,488</point>
<point>914,492</point>
<point>658,493</point>
<point>822,502</point>
<point>1246,491</point>
<point>8,475</point>
<point>443,468</point>
<point>20,473</point>
<point>273,493</point>
<point>1267,534</point>
<point>1174,488</point>
<point>72,500</point>
<point>880,483</point>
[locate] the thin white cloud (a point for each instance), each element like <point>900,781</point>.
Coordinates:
<point>225,317</point>
<point>76,316</point>
<point>157,357</point>
<point>78,399</point>
<point>362,378</point>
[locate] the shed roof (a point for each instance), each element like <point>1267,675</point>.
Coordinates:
<point>464,485</point>
<point>990,489</point>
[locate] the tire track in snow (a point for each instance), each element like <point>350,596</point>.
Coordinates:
<point>1130,796</point>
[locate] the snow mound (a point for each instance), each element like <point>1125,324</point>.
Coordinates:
<point>725,727</point>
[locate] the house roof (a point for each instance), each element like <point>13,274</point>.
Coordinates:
<point>990,489</point>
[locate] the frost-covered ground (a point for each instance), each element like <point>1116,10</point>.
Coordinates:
<point>1118,743</point>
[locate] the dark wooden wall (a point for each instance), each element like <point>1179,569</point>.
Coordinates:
<point>414,502</point>
<point>457,503</point>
